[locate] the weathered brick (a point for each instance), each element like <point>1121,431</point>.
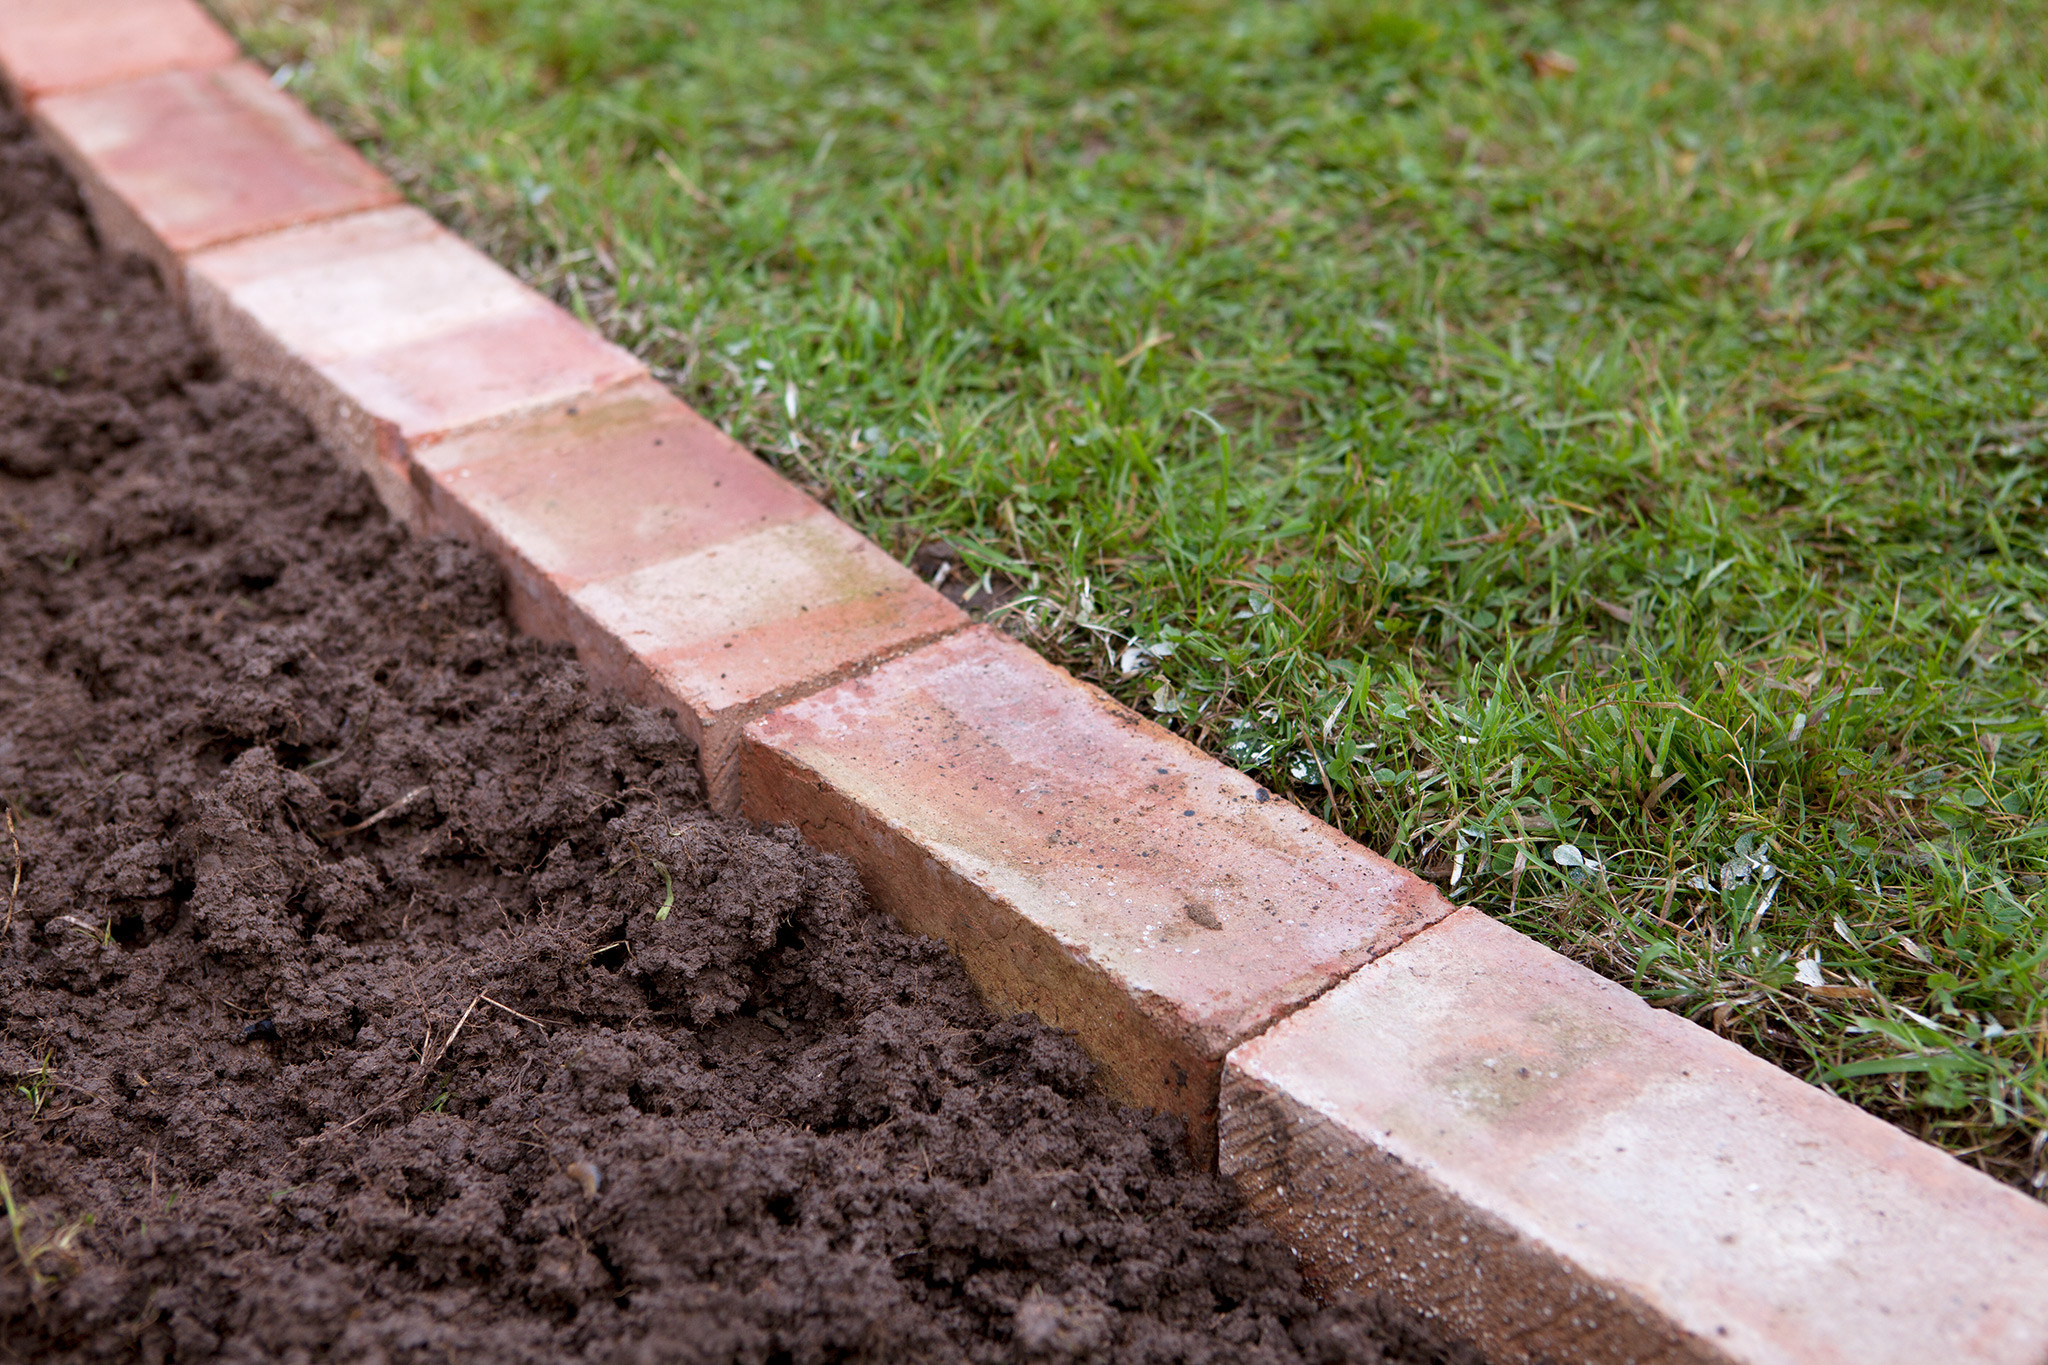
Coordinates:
<point>52,45</point>
<point>1533,1157</point>
<point>389,332</point>
<point>683,567</point>
<point>1086,864</point>
<point>602,486</point>
<point>182,160</point>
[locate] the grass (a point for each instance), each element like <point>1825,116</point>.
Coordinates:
<point>39,1085</point>
<point>30,1249</point>
<point>1593,452</point>
<point>15,1223</point>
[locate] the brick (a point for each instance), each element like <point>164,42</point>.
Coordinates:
<point>389,333</point>
<point>1088,865</point>
<point>52,45</point>
<point>684,568</point>
<point>182,160</point>
<point>603,486</point>
<point>1553,1170</point>
<point>766,616</point>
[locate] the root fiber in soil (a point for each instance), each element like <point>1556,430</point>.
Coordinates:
<point>374,989</point>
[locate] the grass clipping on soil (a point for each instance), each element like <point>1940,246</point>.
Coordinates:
<point>374,990</point>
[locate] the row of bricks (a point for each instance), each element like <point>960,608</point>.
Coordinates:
<point>1423,1102</point>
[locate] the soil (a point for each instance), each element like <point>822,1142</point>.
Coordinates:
<point>373,989</point>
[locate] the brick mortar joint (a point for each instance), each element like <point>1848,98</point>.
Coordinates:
<point>1401,940</point>
<point>746,713</point>
<point>724,788</point>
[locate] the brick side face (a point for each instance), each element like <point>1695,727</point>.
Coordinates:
<point>1362,1218</point>
<point>1548,1166</point>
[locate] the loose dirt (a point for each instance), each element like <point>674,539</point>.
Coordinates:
<point>372,988</point>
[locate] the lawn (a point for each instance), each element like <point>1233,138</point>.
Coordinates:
<point>1594,453</point>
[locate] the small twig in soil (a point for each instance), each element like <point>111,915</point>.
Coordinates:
<point>341,751</point>
<point>14,891</point>
<point>427,1065</point>
<point>94,1095</point>
<point>97,933</point>
<point>449,1041</point>
<point>66,1112</point>
<point>366,1115</point>
<point>514,1013</point>
<point>398,807</point>
<point>618,799</point>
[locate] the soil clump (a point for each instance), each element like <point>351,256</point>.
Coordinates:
<point>374,989</point>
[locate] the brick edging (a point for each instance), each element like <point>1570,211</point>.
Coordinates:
<point>1423,1102</point>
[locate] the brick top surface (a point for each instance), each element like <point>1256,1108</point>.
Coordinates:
<point>409,321</point>
<point>369,281</point>
<point>203,157</point>
<point>1760,1213</point>
<point>769,612</point>
<point>1215,903</point>
<point>613,483</point>
<point>730,586</point>
<point>51,45</point>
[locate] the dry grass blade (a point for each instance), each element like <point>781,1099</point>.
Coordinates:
<point>499,1004</point>
<point>14,890</point>
<point>398,807</point>
<point>449,1041</point>
<point>427,1064</point>
<point>31,1251</point>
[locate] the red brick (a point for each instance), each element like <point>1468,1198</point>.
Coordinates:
<point>755,620</point>
<point>390,332</point>
<point>1086,864</point>
<point>683,567</point>
<point>51,45</point>
<point>1550,1168</point>
<point>182,160</point>
<point>601,487</point>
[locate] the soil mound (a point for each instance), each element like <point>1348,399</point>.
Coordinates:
<point>373,989</point>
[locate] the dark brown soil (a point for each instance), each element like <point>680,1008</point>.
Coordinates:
<point>375,990</point>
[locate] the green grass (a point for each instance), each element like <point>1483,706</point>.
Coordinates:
<point>1618,426</point>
